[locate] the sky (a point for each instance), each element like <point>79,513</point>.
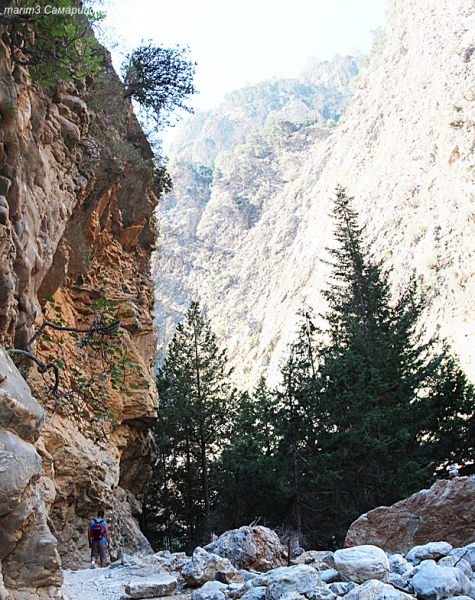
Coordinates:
<point>243,42</point>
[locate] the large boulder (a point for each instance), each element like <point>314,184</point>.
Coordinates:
<point>291,581</point>
<point>433,582</point>
<point>377,590</point>
<point>362,563</point>
<point>257,548</point>
<point>444,512</point>
<point>204,566</point>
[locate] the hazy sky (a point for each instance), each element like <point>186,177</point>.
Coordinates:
<point>246,41</point>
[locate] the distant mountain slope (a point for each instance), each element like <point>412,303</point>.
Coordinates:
<point>248,237</point>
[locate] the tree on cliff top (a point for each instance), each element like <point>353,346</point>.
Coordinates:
<point>159,80</point>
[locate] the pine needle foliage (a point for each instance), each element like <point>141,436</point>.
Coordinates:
<point>393,410</point>
<point>197,408</point>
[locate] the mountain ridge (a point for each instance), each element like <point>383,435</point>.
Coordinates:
<point>404,151</point>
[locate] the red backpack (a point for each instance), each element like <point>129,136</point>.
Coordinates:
<point>98,530</point>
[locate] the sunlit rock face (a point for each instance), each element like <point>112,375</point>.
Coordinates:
<point>75,224</point>
<point>247,233</point>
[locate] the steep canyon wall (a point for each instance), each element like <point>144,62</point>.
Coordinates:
<point>76,201</point>
<point>250,240</point>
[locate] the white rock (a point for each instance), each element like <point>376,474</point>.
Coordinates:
<point>361,563</point>
<point>329,575</point>
<point>257,581</point>
<point>340,588</point>
<point>432,582</point>
<point>212,590</point>
<point>297,579</point>
<point>321,594</point>
<point>432,550</point>
<point>204,566</point>
<point>248,547</point>
<point>460,563</point>
<point>256,593</point>
<point>377,590</point>
<point>399,581</point>
<point>151,587</point>
<point>466,552</point>
<point>398,564</point>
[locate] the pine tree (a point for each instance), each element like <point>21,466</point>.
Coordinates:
<point>197,407</point>
<point>392,410</point>
<point>248,472</point>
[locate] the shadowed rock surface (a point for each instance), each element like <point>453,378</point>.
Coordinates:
<point>444,512</point>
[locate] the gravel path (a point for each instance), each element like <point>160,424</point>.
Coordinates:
<point>109,583</point>
<point>95,584</point>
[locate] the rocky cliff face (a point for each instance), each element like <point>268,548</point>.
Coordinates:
<point>76,202</point>
<point>251,239</point>
<point>227,167</point>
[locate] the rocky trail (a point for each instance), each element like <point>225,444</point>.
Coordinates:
<point>250,564</point>
<point>108,583</point>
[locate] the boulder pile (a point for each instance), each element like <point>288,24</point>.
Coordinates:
<point>432,571</point>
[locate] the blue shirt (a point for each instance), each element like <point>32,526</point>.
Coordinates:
<point>104,528</point>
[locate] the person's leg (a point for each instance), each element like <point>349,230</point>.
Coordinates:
<point>103,553</point>
<point>94,555</point>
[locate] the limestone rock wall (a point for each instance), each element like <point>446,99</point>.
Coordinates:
<point>29,558</point>
<point>76,201</point>
<point>405,152</point>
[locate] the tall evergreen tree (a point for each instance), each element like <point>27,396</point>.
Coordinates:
<point>249,470</point>
<point>197,408</point>
<point>393,410</point>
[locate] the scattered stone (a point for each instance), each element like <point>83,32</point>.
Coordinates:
<point>257,548</point>
<point>398,564</point>
<point>228,577</point>
<point>319,559</point>
<point>362,563</point>
<point>247,575</point>
<point>151,587</point>
<point>432,550</point>
<point>297,579</point>
<point>467,552</point>
<point>212,590</point>
<point>432,582</point>
<point>321,594</point>
<point>460,563</point>
<point>257,593</point>
<point>204,566</point>
<point>445,512</point>
<point>257,581</point>
<point>377,590</point>
<point>340,588</point>
<point>400,582</point>
<point>329,575</point>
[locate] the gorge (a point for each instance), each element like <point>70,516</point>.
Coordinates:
<point>245,231</point>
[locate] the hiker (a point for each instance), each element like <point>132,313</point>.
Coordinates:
<point>99,540</point>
